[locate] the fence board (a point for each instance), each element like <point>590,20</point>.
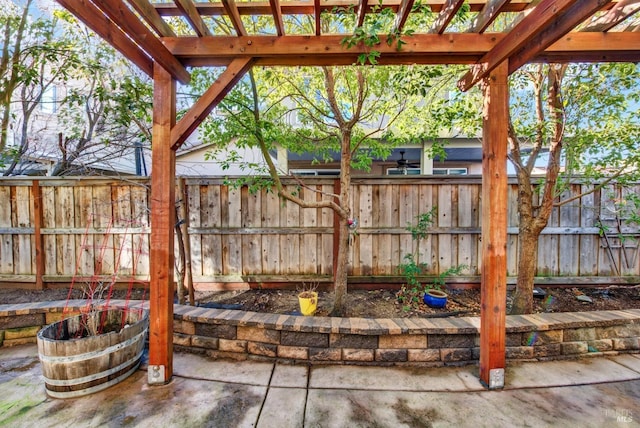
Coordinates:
<point>6,239</point>
<point>271,243</point>
<point>65,244</point>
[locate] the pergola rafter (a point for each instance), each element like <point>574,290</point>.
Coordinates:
<point>532,30</point>
<point>445,16</point>
<point>191,14</point>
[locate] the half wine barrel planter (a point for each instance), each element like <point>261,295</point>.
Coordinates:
<point>75,362</point>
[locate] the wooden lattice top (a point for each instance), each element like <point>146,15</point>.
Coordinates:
<point>181,33</point>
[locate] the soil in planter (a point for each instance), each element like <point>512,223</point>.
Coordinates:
<point>383,303</point>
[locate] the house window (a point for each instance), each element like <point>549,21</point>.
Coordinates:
<point>450,171</point>
<point>49,101</point>
<point>314,172</point>
<point>403,171</point>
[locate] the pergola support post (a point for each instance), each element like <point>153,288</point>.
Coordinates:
<point>162,224</point>
<point>494,228</point>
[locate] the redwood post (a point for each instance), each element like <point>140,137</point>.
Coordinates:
<point>163,201</point>
<point>494,228</point>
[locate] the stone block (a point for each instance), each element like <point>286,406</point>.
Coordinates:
<point>451,340</point>
<point>296,338</point>
<point>184,327</point>
<point>579,334</point>
<point>22,332</point>
<point>181,339</point>
<point>475,353</point>
<point>353,341</point>
<point>511,339</point>
<point>391,355</point>
<point>537,338</point>
<point>362,355</point>
<point>423,355</point>
<point>402,341</point>
<point>451,355</point>
<point>626,344</point>
<point>572,348</point>
<point>51,317</point>
<point>325,354</point>
<point>227,345</point>
<point>216,330</point>
<point>204,342</point>
<point>16,321</point>
<point>618,331</point>
<point>519,352</point>
<point>550,350</point>
<point>257,334</point>
<point>21,341</point>
<point>293,352</point>
<point>601,345</point>
<point>264,349</point>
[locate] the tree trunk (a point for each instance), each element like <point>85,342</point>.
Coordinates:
<point>533,221</point>
<point>340,280</point>
<point>527,264</point>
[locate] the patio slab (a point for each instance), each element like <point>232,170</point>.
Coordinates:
<point>588,393</point>
<point>396,379</point>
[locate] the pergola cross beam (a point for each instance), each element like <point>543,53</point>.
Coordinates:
<point>209,100</point>
<point>119,13</point>
<point>548,22</point>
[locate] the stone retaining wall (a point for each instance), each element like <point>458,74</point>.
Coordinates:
<point>235,334</point>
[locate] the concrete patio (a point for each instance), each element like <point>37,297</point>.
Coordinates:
<point>591,392</point>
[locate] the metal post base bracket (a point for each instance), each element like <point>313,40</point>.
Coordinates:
<point>496,378</point>
<point>156,375</point>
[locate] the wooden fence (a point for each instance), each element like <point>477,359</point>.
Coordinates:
<point>52,230</point>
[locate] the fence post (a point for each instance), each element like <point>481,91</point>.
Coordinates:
<point>37,233</point>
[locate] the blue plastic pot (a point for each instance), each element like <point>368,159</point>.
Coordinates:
<point>435,298</point>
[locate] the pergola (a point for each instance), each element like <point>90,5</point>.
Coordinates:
<point>502,36</point>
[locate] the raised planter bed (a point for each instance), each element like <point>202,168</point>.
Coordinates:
<point>225,333</point>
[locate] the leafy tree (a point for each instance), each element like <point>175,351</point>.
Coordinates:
<point>106,108</point>
<point>358,111</point>
<point>579,120</point>
<point>586,117</point>
<point>345,110</point>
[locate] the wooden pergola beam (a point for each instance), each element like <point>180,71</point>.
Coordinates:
<point>618,13</point>
<point>152,17</point>
<point>192,16</point>
<point>362,11</point>
<point>209,100</point>
<point>276,12</point>
<point>448,12</point>
<point>93,18</point>
<point>118,12</point>
<point>572,16</point>
<point>402,15</point>
<point>493,291</point>
<point>419,49</point>
<point>317,13</point>
<point>546,21</point>
<point>231,7</point>
<point>304,7</point>
<point>486,16</point>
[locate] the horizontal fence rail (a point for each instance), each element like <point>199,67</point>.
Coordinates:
<point>60,230</point>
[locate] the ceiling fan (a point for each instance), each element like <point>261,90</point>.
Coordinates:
<point>403,164</point>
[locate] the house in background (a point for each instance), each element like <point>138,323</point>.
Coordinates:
<point>463,157</point>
